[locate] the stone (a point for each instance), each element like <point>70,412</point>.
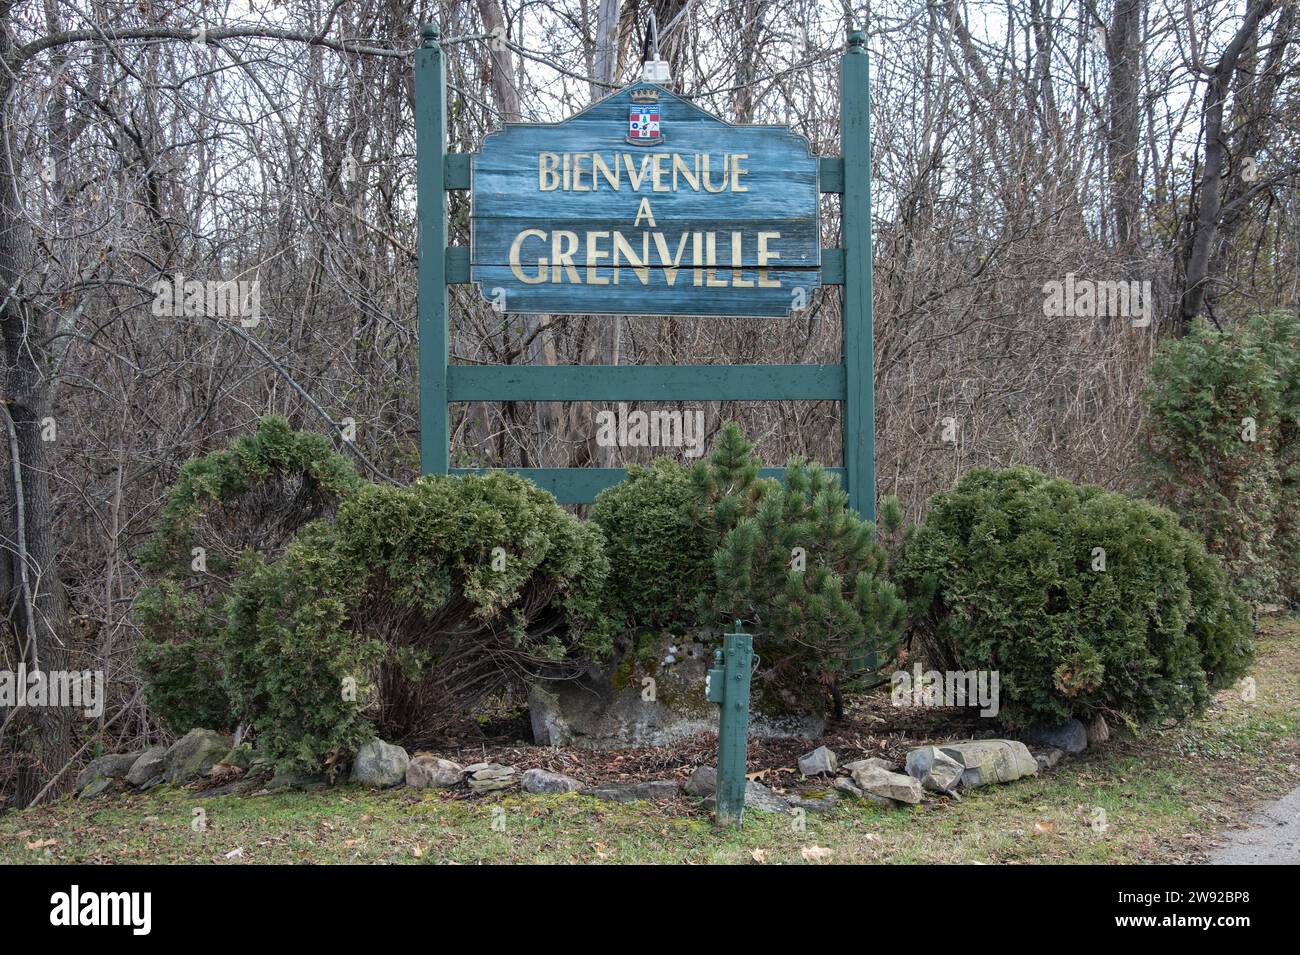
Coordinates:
<point>702,782</point>
<point>813,800</point>
<point>541,781</point>
<point>1070,736</point>
<point>490,777</point>
<point>1098,731</point>
<point>604,708</point>
<point>112,766</point>
<point>657,790</point>
<point>433,772</point>
<point>293,779</point>
<point>883,783</point>
<point>241,757</point>
<point>820,762</point>
<point>148,767</point>
<point>934,769</point>
<point>380,765</point>
<point>97,787</point>
<point>193,755</point>
<point>847,787</point>
<point>989,761</point>
<point>1049,758</point>
<point>886,764</point>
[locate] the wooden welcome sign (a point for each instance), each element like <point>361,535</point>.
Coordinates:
<point>645,204</point>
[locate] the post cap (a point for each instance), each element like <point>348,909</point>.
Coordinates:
<point>857,40</point>
<point>430,34</point>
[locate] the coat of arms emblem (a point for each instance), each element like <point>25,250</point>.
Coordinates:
<point>644,125</point>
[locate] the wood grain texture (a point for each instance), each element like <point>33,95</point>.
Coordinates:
<point>777,193</point>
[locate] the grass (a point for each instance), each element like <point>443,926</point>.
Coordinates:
<point>1165,798</point>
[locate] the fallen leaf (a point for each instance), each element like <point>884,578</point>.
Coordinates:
<point>42,843</point>
<point>235,853</point>
<point>1044,828</point>
<point>418,852</point>
<point>759,856</point>
<point>816,853</point>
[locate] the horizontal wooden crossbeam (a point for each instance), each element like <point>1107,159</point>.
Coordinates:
<point>581,485</point>
<point>645,382</point>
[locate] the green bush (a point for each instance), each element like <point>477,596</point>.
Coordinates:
<point>660,559</point>
<point>1209,391</point>
<point>799,568</point>
<point>1002,577</point>
<point>250,498</point>
<point>428,599</point>
<point>1280,334</point>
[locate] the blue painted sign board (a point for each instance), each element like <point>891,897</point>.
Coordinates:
<point>645,204</point>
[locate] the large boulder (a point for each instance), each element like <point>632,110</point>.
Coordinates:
<point>652,694</point>
<point>148,767</point>
<point>983,762</point>
<point>193,755</point>
<point>433,772</point>
<point>101,768</point>
<point>380,765</point>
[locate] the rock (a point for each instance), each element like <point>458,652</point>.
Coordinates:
<point>148,767</point>
<point>886,764</point>
<point>540,781</point>
<point>1070,736</point>
<point>820,762</point>
<point>604,708</point>
<point>193,755</point>
<point>489,777</point>
<point>241,757</point>
<point>846,786</point>
<point>817,800</point>
<point>293,779</point>
<point>97,787</point>
<point>433,772</point>
<point>656,790</point>
<point>934,769</point>
<point>988,761</point>
<point>1098,731</point>
<point>883,783</point>
<point>112,766</point>
<point>1049,758</point>
<point>703,782</point>
<point>757,797</point>
<point>380,765</point>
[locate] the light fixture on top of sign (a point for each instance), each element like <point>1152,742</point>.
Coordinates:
<point>653,69</point>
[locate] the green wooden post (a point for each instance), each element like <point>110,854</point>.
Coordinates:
<point>859,347</point>
<point>728,686</point>
<point>430,152</point>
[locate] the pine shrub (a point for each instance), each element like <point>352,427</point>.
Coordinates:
<point>1086,602</point>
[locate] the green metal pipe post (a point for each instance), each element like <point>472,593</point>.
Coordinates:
<point>729,688</point>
